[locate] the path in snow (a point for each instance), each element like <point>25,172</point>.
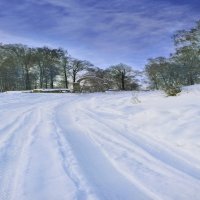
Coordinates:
<point>68,146</point>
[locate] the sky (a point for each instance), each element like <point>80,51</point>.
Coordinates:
<point>104,32</point>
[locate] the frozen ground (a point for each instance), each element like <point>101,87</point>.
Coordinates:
<point>100,146</point>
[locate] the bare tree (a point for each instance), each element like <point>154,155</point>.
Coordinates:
<point>122,76</point>
<point>76,66</point>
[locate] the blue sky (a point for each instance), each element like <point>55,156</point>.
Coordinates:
<point>104,32</point>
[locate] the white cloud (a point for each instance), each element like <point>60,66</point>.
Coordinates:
<point>12,38</point>
<point>112,30</point>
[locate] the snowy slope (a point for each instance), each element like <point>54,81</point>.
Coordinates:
<point>100,146</point>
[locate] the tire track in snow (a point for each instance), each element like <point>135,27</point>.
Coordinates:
<point>45,172</point>
<point>71,167</point>
<point>21,168</point>
<point>12,156</point>
<point>21,172</point>
<point>104,179</point>
<point>172,159</point>
<point>69,162</point>
<point>68,150</point>
<point>95,135</point>
<point>145,155</point>
<point>7,130</point>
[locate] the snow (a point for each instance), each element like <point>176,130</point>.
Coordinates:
<point>102,146</point>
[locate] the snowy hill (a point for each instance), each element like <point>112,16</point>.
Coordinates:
<point>103,146</point>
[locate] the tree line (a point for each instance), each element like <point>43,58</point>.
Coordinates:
<point>25,68</point>
<point>182,67</point>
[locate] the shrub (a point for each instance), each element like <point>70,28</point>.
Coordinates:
<point>172,90</point>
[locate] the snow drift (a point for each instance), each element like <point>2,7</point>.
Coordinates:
<point>103,146</point>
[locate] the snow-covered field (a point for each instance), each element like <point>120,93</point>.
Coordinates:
<point>100,146</point>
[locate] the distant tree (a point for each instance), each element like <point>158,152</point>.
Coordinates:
<point>182,67</point>
<point>76,66</point>
<point>188,60</point>
<point>187,54</point>
<point>95,71</point>
<point>40,62</point>
<point>23,58</point>
<point>9,73</point>
<point>163,73</point>
<point>51,65</point>
<point>190,37</point>
<point>64,62</point>
<point>122,76</point>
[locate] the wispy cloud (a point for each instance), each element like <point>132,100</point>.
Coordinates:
<point>104,32</point>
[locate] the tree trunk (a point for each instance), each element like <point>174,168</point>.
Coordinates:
<point>51,83</point>
<point>27,79</point>
<point>74,77</point>
<point>46,83</point>
<point>123,81</point>
<point>41,76</point>
<point>65,75</point>
<point>191,80</point>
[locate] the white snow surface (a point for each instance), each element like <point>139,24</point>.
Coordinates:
<point>103,146</point>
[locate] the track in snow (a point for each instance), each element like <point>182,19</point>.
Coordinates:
<point>84,147</point>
